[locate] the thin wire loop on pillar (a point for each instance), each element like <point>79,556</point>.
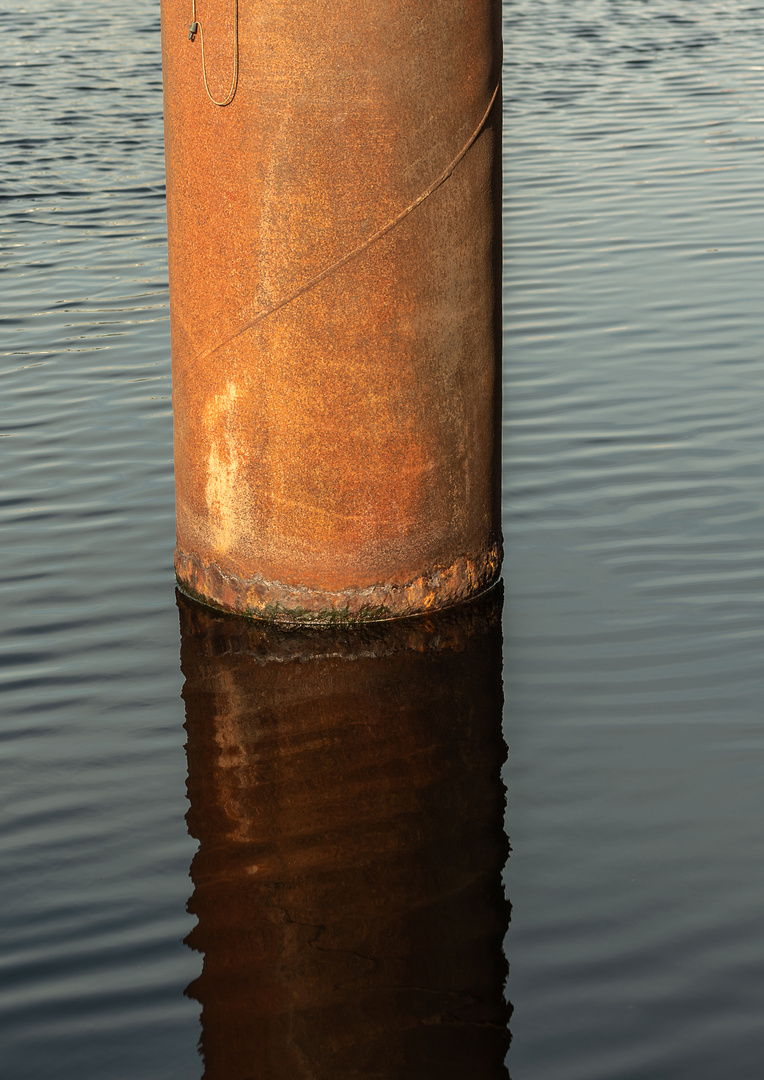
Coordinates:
<point>196,28</point>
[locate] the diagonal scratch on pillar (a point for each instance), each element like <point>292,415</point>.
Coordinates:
<point>276,305</point>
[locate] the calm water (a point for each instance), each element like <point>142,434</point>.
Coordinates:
<point>633,625</point>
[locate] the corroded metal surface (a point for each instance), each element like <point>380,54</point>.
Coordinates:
<point>441,587</point>
<point>334,254</point>
<point>345,789</point>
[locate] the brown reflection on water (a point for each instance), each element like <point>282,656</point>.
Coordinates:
<point>345,793</point>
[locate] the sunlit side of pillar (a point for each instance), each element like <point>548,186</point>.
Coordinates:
<point>334,247</point>
<point>346,796</point>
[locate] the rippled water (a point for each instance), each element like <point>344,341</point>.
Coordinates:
<point>95,853</point>
<point>634,497</point>
<point>634,515</point>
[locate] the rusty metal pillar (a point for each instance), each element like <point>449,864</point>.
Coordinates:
<point>333,182</point>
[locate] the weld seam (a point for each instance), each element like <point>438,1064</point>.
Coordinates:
<point>276,305</point>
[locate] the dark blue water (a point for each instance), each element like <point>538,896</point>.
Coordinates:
<point>95,853</point>
<point>634,502</point>
<point>634,522</point>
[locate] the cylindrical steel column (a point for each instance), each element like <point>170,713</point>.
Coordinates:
<point>334,250</point>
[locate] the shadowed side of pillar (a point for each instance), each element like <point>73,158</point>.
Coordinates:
<point>345,791</point>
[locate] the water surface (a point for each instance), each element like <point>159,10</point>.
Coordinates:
<point>634,518</point>
<point>634,503</point>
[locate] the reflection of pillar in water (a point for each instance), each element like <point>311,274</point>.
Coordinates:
<point>345,792</point>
